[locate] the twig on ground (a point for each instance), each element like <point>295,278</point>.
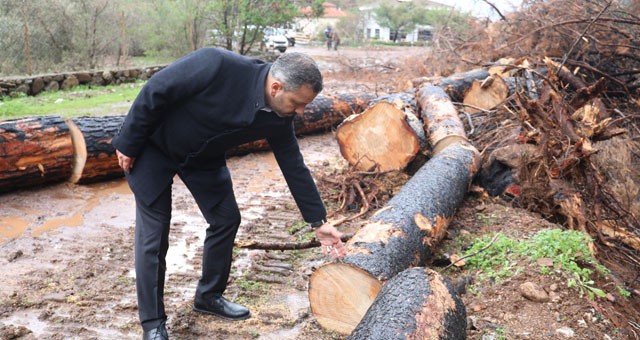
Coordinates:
<point>284,245</point>
<point>476,253</point>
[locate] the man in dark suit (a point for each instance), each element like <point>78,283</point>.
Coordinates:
<point>181,123</point>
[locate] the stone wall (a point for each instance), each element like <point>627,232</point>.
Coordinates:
<point>33,85</point>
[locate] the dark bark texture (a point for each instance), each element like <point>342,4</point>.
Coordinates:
<point>34,151</point>
<point>101,162</point>
<point>418,303</point>
<point>417,216</point>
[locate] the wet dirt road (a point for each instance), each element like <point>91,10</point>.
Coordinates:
<point>66,257</point>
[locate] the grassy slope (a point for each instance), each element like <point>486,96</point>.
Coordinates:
<point>79,101</point>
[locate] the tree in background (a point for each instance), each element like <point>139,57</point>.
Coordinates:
<point>400,17</point>
<point>238,24</point>
<point>350,27</point>
<point>60,35</point>
<point>170,28</point>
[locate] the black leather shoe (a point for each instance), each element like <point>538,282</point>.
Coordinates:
<point>159,333</point>
<point>221,307</point>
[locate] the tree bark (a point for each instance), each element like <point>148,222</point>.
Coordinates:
<point>95,158</point>
<point>34,151</point>
<point>418,303</point>
<point>440,118</point>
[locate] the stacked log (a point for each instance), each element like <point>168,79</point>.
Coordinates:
<point>34,151</point>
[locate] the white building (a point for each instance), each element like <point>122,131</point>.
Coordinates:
<point>373,30</point>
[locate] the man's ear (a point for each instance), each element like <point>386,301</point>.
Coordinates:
<point>274,88</point>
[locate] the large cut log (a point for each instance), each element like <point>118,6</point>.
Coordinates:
<point>486,94</point>
<point>397,237</point>
<point>34,151</point>
<point>322,114</point>
<point>456,85</point>
<point>386,136</point>
<point>418,303</point>
<point>95,158</point>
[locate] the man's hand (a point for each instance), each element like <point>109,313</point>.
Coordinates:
<point>125,162</point>
<point>330,242</point>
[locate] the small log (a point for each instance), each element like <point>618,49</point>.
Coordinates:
<point>283,245</point>
<point>440,117</point>
<point>380,138</point>
<point>95,158</point>
<point>418,303</point>
<point>486,94</point>
<point>322,114</point>
<point>34,151</point>
<point>397,237</point>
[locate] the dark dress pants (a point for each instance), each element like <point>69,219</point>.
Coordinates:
<point>152,243</point>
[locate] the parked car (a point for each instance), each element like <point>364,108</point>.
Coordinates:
<point>276,42</point>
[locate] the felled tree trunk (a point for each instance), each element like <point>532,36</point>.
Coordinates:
<point>322,114</point>
<point>397,237</point>
<point>34,151</point>
<point>418,303</point>
<point>402,233</point>
<point>95,158</point>
<point>386,136</point>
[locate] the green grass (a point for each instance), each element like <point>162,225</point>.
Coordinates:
<point>78,101</point>
<point>568,249</point>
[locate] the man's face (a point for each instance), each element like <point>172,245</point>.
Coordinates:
<point>286,103</point>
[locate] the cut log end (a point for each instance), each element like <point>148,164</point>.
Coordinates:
<point>486,94</point>
<point>80,151</point>
<point>378,139</point>
<point>340,294</point>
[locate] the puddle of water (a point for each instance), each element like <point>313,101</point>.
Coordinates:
<point>31,215</point>
<point>182,251</point>
<point>27,319</point>
<point>242,262</point>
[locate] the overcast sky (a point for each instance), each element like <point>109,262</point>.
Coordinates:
<point>481,9</point>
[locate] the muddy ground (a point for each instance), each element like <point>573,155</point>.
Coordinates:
<point>67,265</point>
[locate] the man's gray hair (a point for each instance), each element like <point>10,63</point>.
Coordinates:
<point>296,69</point>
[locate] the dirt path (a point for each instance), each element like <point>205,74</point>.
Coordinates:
<point>67,261</point>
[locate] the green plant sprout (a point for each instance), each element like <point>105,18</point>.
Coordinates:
<point>568,249</point>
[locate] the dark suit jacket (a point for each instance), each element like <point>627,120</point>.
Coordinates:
<point>189,113</point>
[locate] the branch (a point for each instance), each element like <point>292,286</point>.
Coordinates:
<point>496,9</point>
<point>284,245</point>
<point>575,42</point>
<point>474,254</point>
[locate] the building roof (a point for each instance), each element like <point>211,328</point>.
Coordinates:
<point>330,11</point>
